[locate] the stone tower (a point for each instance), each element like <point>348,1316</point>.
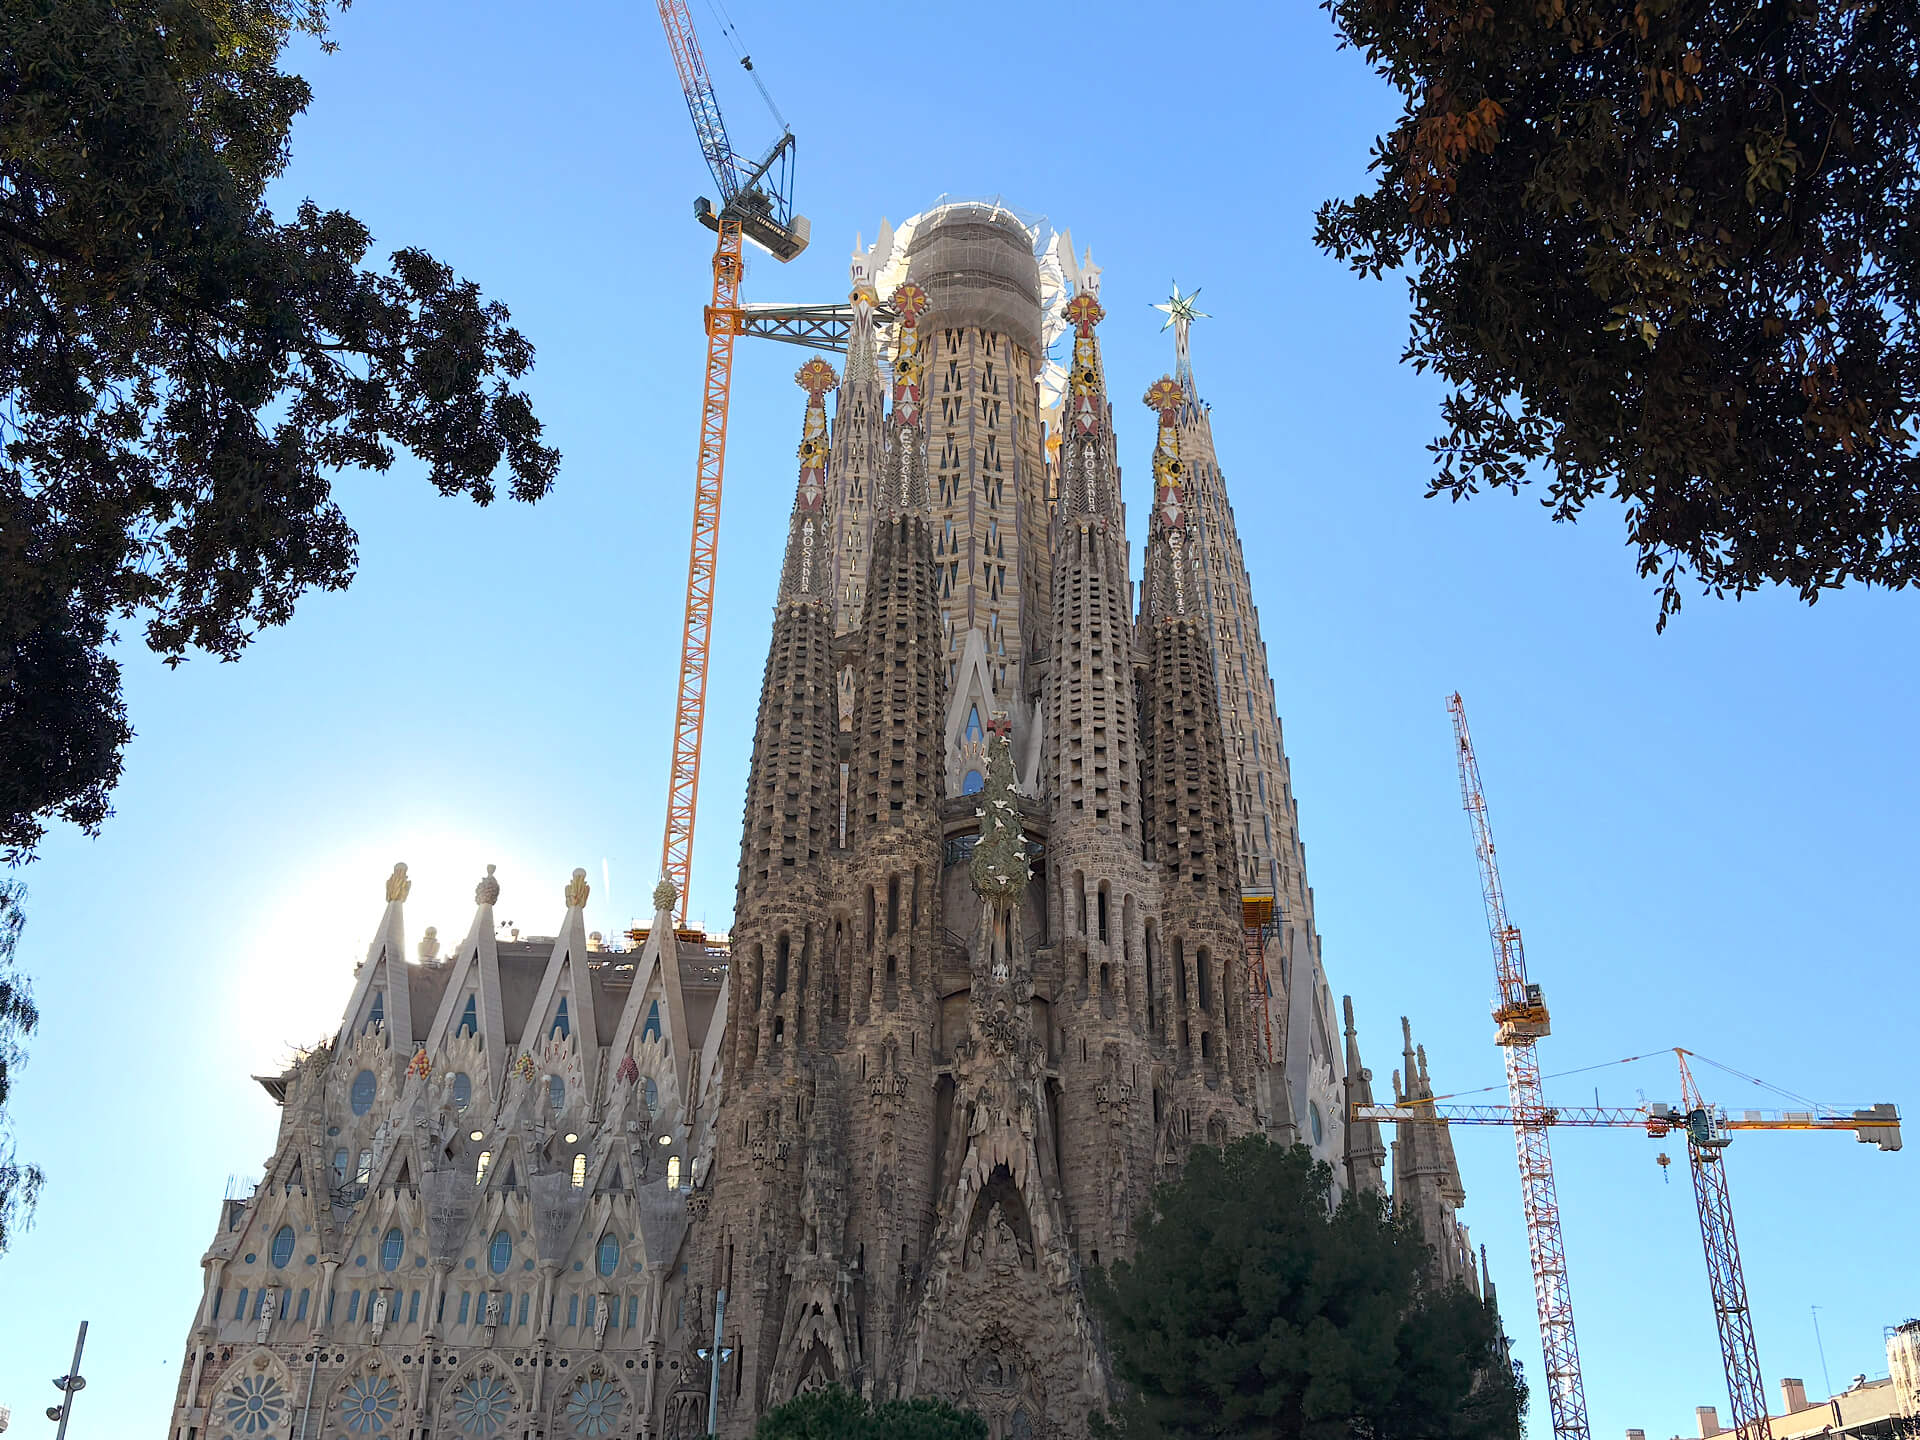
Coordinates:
<point>970,1032</point>
<point>990,976</point>
<point>1305,1091</point>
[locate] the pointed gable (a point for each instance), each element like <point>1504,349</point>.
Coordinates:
<point>382,996</point>
<point>472,1000</point>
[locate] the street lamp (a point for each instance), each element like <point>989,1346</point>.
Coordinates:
<point>719,1355</point>
<point>70,1385</point>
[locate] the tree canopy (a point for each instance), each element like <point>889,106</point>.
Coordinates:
<point>838,1414</point>
<point>183,371</point>
<point>1664,251</point>
<point>1254,1309</point>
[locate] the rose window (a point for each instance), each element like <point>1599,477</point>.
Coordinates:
<point>255,1404</point>
<point>594,1407</point>
<point>481,1405</point>
<point>369,1404</point>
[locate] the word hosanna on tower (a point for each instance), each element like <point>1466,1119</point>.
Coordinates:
<point>1022,916</point>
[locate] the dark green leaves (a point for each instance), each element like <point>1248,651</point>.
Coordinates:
<point>838,1414</point>
<point>1251,1310</point>
<point>1683,275</point>
<point>183,373</point>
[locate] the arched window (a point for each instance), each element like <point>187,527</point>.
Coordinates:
<point>361,1097</point>
<point>500,1252</point>
<point>282,1246</point>
<point>340,1167</point>
<point>1313,1115</point>
<point>974,732</point>
<point>973,784</point>
<point>391,1249</point>
<point>608,1259</point>
<point>651,1030</point>
<point>480,1170</point>
<point>557,1092</point>
<point>579,1171</point>
<point>653,1096</point>
<point>673,1172</point>
<point>462,1090</point>
<point>562,1028</point>
<point>469,1018</point>
<point>377,1016</point>
<point>364,1173</point>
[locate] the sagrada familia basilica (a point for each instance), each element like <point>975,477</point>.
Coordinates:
<point>1022,916</point>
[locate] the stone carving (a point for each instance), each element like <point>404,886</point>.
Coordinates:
<point>430,944</point>
<point>578,890</point>
<point>487,892</point>
<point>398,886</point>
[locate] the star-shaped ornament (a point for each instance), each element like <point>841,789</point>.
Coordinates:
<point>1179,309</point>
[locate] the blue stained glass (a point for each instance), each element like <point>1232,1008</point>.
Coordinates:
<point>369,1404</point>
<point>561,1028</point>
<point>240,1305</point>
<point>377,1016</point>
<point>573,1310</point>
<point>282,1245</point>
<point>974,732</point>
<point>391,1248</point>
<point>608,1260</point>
<point>413,1308</point>
<point>469,1018</point>
<point>523,1311</point>
<point>339,1167</point>
<point>462,1090</point>
<point>653,1096</point>
<point>301,1313</point>
<point>633,1311</point>
<point>651,1030</point>
<point>361,1097</point>
<point>500,1253</point>
<point>353,1307</point>
<point>464,1300</point>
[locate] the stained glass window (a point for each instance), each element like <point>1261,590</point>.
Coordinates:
<point>361,1097</point>
<point>651,1030</point>
<point>368,1404</point>
<point>391,1249</point>
<point>562,1028</point>
<point>608,1258</point>
<point>469,1018</point>
<point>282,1245</point>
<point>557,1092</point>
<point>481,1405</point>
<point>500,1253</point>
<point>254,1404</point>
<point>462,1090</point>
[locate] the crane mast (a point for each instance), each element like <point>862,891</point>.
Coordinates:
<point>1709,1131</point>
<point>755,204</point>
<point>1520,1013</point>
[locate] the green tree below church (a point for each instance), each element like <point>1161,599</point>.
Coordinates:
<point>1255,1308</point>
<point>837,1414</point>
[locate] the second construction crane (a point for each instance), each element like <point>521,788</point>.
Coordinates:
<point>1520,1018</point>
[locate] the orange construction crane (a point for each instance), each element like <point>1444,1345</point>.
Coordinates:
<point>1709,1131</point>
<point>1520,1017</point>
<point>756,203</point>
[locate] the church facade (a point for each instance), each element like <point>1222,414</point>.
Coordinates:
<point>1022,916</point>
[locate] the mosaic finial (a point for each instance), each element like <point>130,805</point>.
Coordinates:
<point>577,890</point>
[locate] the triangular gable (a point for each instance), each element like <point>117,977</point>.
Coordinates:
<point>970,713</point>
<point>476,978</point>
<point>660,958</point>
<point>383,980</point>
<point>567,982</point>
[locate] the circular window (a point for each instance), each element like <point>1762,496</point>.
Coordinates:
<point>1313,1118</point>
<point>557,1092</point>
<point>462,1090</point>
<point>282,1245</point>
<point>608,1259</point>
<point>500,1253</point>
<point>361,1097</point>
<point>391,1248</point>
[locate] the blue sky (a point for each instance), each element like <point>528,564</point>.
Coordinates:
<point>1706,834</point>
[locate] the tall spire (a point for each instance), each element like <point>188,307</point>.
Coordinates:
<point>1088,479</point>
<point>1172,587</point>
<point>1364,1148</point>
<point>1181,313</point>
<point>904,490</point>
<point>807,575</point>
